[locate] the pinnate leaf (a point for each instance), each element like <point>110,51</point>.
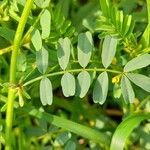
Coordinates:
<point>46,93</point>
<point>137,63</point>
<point>85,47</point>
<point>100,88</point>
<point>127,90</point>
<point>63,52</point>
<point>83,83</point>
<point>108,50</point>
<point>68,84</point>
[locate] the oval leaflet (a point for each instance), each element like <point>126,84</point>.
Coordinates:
<point>46,91</point>
<point>137,63</point>
<point>68,84</point>
<point>45,22</point>
<point>83,83</point>
<point>42,60</point>
<point>100,88</point>
<point>63,52</point>
<point>108,50</point>
<point>85,47</point>
<point>127,90</point>
<point>36,40</point>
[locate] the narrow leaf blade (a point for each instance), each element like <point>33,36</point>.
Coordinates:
<point>85,47</point>
<point>108,50</point>
<point>68,84</point>
<point>140,80</point>
<point>127,90</point>
<point>46,94</point>
<point>83,83</point>
<point>125,128</point>
<point>105,7</point>
<point>137,63</point>
<point>100,88</point>
<point>79,129</point>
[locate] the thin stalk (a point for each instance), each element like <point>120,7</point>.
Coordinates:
<point>27,35</point>
<point>26,38</point>
<point>148,9</point>
<point>12,90</point>
<point>145,39</point>
<point>71,71</point>
<point>5,50</point>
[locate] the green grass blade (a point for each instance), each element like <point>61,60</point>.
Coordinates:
<point>125,128</point>
<point>71,126</point>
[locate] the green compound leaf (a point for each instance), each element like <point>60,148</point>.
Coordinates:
<point>108,50</point>
<point>42,3</point>
<point>140,80</point>
<point>45,22</point>
<point>125,128</point>
<point>36,40</point>
<point>68,84</point>
<point>63,52</point>
<point>100,88</point>
<point>105,7</point>
<point>127,90</point>
<point>137,63</point>
<point>113,21</point>
<point>128,25</point>
<point>85,47</point>
<point>42,60</point>
<point>46,91</point>
<point>83,83</point>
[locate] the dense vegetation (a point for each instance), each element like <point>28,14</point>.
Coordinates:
<point>74,74</point>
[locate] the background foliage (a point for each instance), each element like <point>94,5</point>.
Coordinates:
<point>82,74</point>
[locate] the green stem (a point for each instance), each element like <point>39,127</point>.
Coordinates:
<point>148,9</point>
<point>71,71</point>
<point>12,90</point>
